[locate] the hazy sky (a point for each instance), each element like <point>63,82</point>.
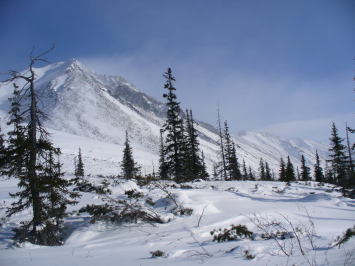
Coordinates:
<point>280,66</point>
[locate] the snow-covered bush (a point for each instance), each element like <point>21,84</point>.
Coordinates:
<point>248,255</point>
<point>157,254</point>
<point>235,232</point>
<point>184,211</point>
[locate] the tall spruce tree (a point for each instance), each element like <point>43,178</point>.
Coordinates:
<point>57,188</point>
<point>222,165</point>
<point>268,175</point>
<point>17,143</point>
<point>262,175</point>
<point>298,174</point>
<point>234,165</point>
<point>26,156</point>
<point>245,171</point>
<point>163,169</point>
<point>329,174</point>
<point>174,146</point>
<point>230,155</point>
<point>289,171</point>
<point>339,160</point>
<point>251,174</point>
<point>129,167</point>
<point>318,170</point>
<point>305,174</point>
<point>2,151</point>
<point>192,156</point>
<point>204,174</point>
<point>79,168</point>
<point>228,150</point>
<point>282,170</point>
<point>351,168</point>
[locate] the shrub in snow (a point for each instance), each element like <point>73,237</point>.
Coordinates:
<point>118,210</point>
<point>145,180</point>
<point>235,232</point>
<point>157,254</point>
<point>248,255</point>
<point>184,211</point>
<point>186,186</point>
<point>133,194</point>
<point>278,191</point>
<point>278,234</point>
<point>150,201</point>
<point>85,186</point>
<point>350,232</point>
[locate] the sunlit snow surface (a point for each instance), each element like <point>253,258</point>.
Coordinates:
<point>227,203</point>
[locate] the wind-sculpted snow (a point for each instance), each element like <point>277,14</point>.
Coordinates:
<point>81,102</point>
<point>186,239</point>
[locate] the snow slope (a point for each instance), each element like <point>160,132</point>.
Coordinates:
<point>183,241</point>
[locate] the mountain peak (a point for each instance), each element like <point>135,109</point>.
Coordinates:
<point>73,61</point>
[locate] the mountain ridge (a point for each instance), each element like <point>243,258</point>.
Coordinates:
<point>84,103</point>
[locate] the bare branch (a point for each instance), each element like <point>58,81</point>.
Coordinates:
<point>206,253</point>
<point>38,57</point>
<point>198,224</point>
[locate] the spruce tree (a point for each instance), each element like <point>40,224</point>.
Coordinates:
<point>222,165</point>
<point>262,175</point>
<point>282,170</point>
<point>305,174</point>
<point>174,132</point>
<point>268,175</point>
<point>79,168</point>
<point>27,153</point>
<point>298,175</point>
<point>245,171</point>
<point>17,143</point>
<point>329,174</point>
<point>204,174</point>
<point>289,171</point>
<point>318,170</point>
<point>129,167</point>
<point>234,165</point>
<point>231,160</point>
<point>56,187</point>
<point>351,169</point>
<point>192,156</point>
<point>2,151</point>
<point>163,169</point>
<point>339,160</point>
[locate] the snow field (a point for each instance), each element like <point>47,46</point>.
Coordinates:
<point>227,203</point>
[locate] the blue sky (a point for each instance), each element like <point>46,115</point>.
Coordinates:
<point>285,67</point>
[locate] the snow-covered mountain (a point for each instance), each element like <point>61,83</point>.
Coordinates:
<point>98,107</point>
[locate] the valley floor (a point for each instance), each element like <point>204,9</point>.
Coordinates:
<point>186,240</point>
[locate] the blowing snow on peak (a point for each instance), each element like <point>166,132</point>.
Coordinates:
<point>82,103</point>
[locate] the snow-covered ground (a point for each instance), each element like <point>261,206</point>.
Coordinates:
<point>183,241</point>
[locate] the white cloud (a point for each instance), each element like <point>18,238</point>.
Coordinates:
<point>318,129</point>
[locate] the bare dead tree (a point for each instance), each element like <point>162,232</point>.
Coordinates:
<point>34,146</point>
